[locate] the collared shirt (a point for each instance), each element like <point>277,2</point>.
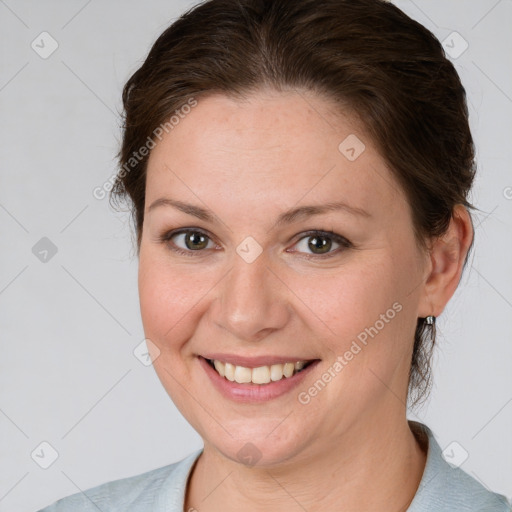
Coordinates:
<point>443,488</point>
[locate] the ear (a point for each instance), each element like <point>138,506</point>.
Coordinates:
<point>446,263</point>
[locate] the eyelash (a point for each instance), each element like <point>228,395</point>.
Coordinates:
<point>342,241</point>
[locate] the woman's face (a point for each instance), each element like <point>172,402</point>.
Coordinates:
<point>243,262</point>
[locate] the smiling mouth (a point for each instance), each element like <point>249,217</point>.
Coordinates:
<point>259,375</point>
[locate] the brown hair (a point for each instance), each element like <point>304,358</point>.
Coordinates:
<point>364,54</point>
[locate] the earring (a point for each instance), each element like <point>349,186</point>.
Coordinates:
<point>430,320</point>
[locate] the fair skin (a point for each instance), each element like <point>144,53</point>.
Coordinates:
<point>350,447</point>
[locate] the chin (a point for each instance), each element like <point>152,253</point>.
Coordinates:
<point>257,443</point>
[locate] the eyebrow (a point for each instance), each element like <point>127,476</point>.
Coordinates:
<point>288,217</point>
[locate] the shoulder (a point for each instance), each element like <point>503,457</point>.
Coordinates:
<point>446,488</point>
<point>140,492</point>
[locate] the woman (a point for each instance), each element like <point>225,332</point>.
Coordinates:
<point>299,174</point>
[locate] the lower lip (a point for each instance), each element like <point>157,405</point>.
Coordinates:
<point>253,393</point>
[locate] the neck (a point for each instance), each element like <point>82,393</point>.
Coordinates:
<point>378,467</point>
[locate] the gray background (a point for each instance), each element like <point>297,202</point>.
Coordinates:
<point>69,325</point>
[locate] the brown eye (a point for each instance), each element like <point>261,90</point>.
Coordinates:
<point>188,240</point>
<point>319,244</point>
<point>195,240</point>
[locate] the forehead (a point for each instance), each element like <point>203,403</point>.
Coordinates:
<point>270,150</point>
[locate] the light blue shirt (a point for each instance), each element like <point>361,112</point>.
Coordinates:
<point>443,488</point>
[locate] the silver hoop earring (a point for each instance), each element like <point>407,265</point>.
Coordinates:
<point>430,320</point>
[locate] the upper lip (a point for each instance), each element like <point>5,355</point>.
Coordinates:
<point>254,362</point>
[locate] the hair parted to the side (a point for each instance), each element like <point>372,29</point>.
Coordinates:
<point>365,55</point>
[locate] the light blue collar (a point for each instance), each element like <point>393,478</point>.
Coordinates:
<point>442,487</point>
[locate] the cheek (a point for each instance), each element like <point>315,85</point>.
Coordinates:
<point>170,300</point>
<point>170,304</point>
<point>365,304</point>
<point>355,296</point>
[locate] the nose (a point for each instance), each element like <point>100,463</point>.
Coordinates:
<point>252,302</point>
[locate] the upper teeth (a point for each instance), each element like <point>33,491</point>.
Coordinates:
<point>260,375</point>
